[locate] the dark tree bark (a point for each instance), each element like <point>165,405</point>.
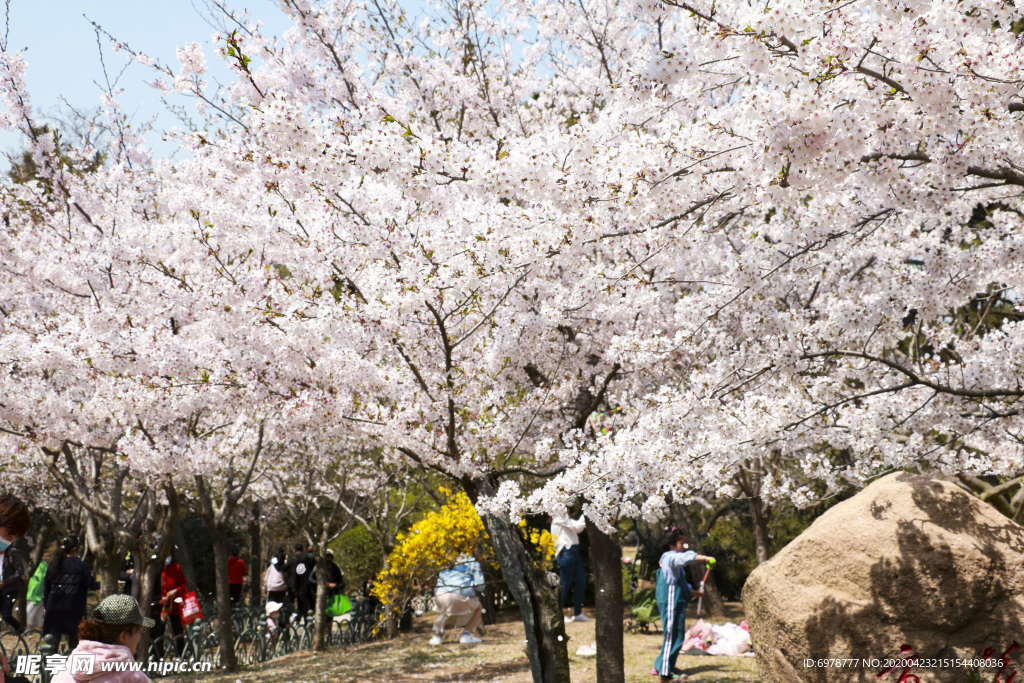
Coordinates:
<point>606,560</point>
<point>749,480</point>
<point>320,617</point>
<point>149,563</point>
<point>255,560</point>
<point>533,590</point>
<point>216,517</point>
<point>183,558</point>
<point>107,564</point>
<point>490,615</point>
<point>712,601</point>
<point>97,483</point>
<point>761,515</point>
<point>225,627</point>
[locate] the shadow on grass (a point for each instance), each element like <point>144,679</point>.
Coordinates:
<point>713,668</point>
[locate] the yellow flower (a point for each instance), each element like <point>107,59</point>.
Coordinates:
<point>433,544</point>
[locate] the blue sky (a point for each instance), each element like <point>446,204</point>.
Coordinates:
<point>64,59</point>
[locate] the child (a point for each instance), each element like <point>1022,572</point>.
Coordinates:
<point>673,594</point>
<point>273,615</point>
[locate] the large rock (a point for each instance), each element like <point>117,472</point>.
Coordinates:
<point>908,560</point>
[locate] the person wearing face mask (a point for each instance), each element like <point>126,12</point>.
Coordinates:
<point>111,635</point>
<point>172,592</point>
<point>14,522</point>
<point>66,589</point>
<point>12,579</point>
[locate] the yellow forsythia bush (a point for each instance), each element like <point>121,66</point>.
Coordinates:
<point>542,542</point>
<point>436,542</point>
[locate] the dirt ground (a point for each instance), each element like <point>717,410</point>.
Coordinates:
<point>500,658</point>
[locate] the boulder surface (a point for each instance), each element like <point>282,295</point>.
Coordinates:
<point>910,560</point>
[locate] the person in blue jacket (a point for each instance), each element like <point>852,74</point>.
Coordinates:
<point>456,601</point>
<point>673,594</point>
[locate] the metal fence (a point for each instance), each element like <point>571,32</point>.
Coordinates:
<point>255,643</point>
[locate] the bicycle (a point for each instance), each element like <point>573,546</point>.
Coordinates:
<point>13,645</point>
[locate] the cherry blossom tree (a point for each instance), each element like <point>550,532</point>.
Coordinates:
<point>320,483</point>
<point>829,220</point>
<point>754,231</point>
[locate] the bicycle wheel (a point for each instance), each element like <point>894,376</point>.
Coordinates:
<point>278,647</point>
<point>261,650</point>
<point>243,652</point>
<point>211,650</point>
<point>34,638</point>
<point>292,643</point>
<point>343,629</point>
<point>14,646</point>
<point>190,649</point>
<point>162,648</point>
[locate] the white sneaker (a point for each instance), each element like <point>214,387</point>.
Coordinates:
<point>581,617</point>
<point>469,639</point>
<point>436,640</point>
<point>568,619</point>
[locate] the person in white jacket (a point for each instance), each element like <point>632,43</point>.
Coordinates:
<point>274,585</point>
<point>565,531</point>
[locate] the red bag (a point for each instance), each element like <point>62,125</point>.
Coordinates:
<point>190,609</point>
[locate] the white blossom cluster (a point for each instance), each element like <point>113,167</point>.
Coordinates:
<point>787,235</point>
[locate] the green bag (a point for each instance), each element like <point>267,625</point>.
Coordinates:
<point>338,605</point>
<point>645,606</point>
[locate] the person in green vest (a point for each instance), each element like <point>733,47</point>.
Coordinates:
<point>35,596</point>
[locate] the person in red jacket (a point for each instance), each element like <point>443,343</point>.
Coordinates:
<point>172,594</point>
<point>237,572</point>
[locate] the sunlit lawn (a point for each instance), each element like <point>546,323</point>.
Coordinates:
<point>501,657</point>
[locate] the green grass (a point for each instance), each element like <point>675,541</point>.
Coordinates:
<point>500,658</point>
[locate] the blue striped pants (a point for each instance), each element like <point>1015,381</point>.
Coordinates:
<point>673,619</point>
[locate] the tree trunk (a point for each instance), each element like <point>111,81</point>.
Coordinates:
<point>533,589</point>
<point>102,544</point>
<point>320,617</point>
<point>712,601</point>
<point>147,576</point>
<point>606,560</point>
<point>390,622</point>
<point>761,517</point>
<point>108,568</point>
<point>42,543</point>
<point>149,564</point>
<point>225,625</point>
<point>490,615</point>
<point>255,559</point>
<point>182,557</point>
<point>534,592</point>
